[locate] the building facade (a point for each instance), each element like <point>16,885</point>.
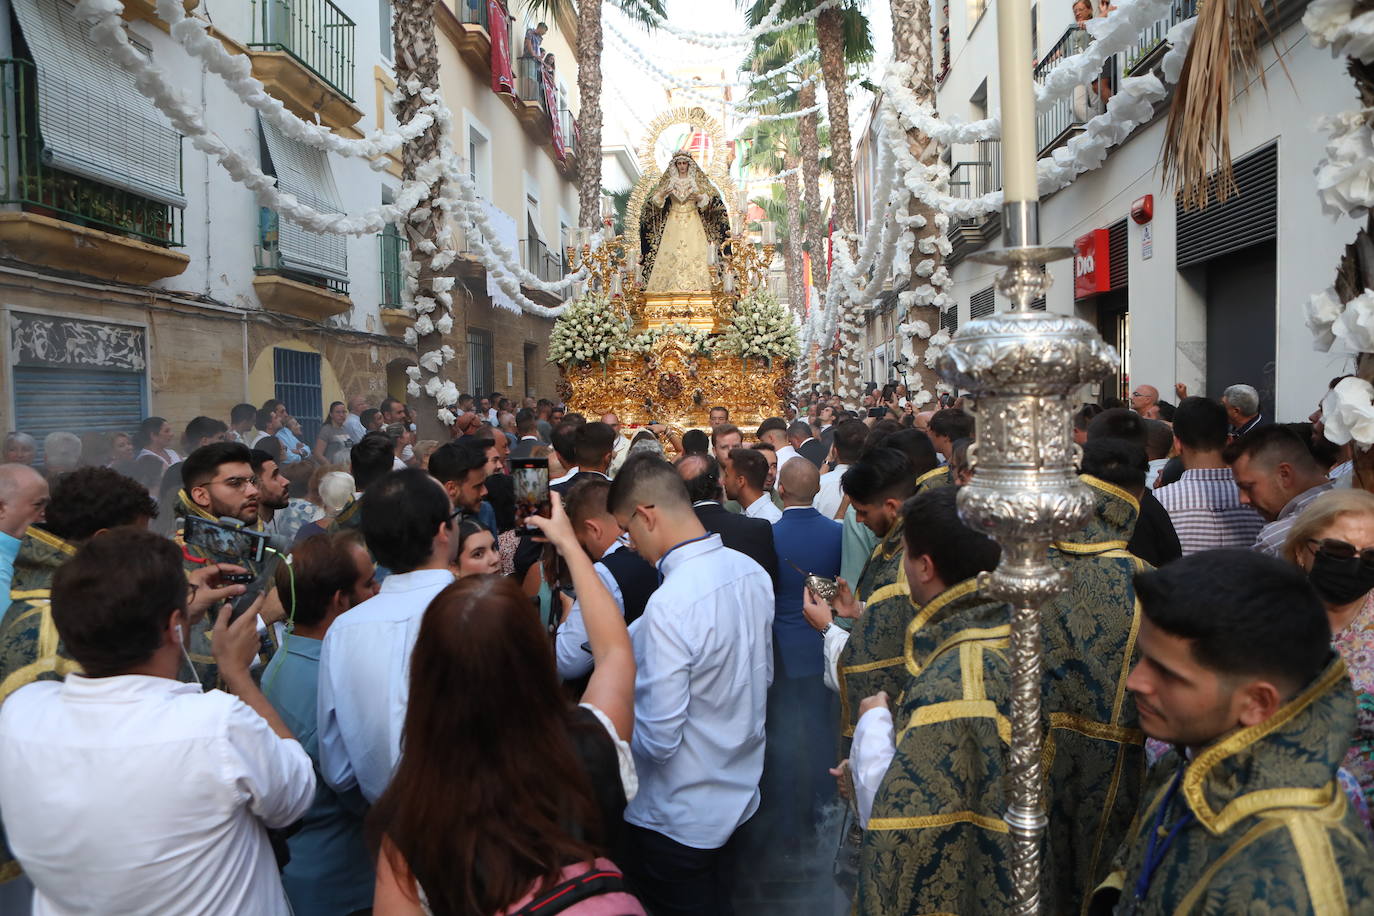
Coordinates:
<point>1208,297</point>
<point>137,278</point>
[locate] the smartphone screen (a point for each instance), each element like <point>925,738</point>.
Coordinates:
<point>530,477</point>
<point>223,543</point>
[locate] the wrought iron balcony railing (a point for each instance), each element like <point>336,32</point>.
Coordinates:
<point>529,79</point>
<point>29,182</point>
<point>316,33</point>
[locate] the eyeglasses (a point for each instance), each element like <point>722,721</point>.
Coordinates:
<point>238,483</point>
<point>1341,550</point>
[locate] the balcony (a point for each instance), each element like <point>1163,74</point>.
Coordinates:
<point>969,180</point>
<point>1151,47</point>
<point>540,261</point>
<point>467,24</point>
<point>302,50</point>
<point>1065,119</point>
<point>67,221</point>
<point>284,285</point>
<point>529,93</point>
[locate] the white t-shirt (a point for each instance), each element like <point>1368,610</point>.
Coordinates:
<point>140,794</point>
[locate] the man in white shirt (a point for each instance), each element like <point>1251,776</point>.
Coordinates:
<point>705,660</point>
<point>847,446</point>
<point>774,432</point>
<point>365,659</point>
<point>124,790</point>
<point>746,472</point>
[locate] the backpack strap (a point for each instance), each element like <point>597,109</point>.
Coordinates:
<point>591,883</point>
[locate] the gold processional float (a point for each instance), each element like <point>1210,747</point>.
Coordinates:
<point>676,315</point>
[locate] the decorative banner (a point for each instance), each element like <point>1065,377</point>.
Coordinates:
<point>560,148</point>
<point>1092,264</point>
<point>498,21</point>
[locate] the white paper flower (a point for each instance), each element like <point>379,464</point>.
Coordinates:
<point>1348,412</point>
<point>1345,178</point>
<point>1323,309</point>
<point>940,338</point>
<point>446,416</point>
<point>413,372</point>
<point>413,389</point>
<point>1354,329</point>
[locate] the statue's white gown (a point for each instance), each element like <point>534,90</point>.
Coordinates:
<point>682,265</point>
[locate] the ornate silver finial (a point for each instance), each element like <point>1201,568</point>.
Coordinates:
<point>1023,368</point>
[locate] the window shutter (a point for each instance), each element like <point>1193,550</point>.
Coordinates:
<point>949,319</point>
<point>982,304</point>
<point>94,121</point>
<point>304,172</point>
<point>1119,254</point>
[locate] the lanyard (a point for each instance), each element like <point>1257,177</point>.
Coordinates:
<point>1160,839</point>
<point>666,553</point>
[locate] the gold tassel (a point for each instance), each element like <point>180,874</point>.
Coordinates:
<point>1197,142</point>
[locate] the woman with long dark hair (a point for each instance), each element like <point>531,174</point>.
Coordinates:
<point>505,792</point>
<point>331,444</point>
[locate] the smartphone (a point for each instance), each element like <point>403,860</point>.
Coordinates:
<point>223,543</point>
<point>530,477</point>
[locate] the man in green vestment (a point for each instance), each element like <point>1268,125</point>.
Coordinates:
<point>870,658</point>
<point>1245,814</point>
<point>938,807</point>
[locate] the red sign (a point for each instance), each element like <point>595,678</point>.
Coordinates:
<point>1092,264</point>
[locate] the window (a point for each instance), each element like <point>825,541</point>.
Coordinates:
<point>384,14</point>
<point>479,159</point>
<point>303,171</point>
<point>296,375</point>
<point>480,368</point>
<point>93,119</point>
<point>78,376</point>
<point>949,319</point>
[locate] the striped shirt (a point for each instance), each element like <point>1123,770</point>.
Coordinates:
<point>1272,535</point>
<point>1207,513</point>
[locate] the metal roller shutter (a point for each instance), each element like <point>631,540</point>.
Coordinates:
<point>983,303</point>
<point>304,172</point>
<point>93,119</point>
<point>1246,219</point>
<point>49,399</point>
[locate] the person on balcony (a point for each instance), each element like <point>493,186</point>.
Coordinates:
<point>1089,99</point>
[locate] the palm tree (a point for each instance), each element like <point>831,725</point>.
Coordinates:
<point>843,37</point>
<point>417,58</point>
<point>770,52</point>
<point>911,43</point>
<point>589,44</point>
<point>775,148</point>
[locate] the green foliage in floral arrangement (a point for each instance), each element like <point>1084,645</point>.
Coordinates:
<point>589,331</point>
<point>763,328</point>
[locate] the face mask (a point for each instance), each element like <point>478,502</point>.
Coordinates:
<point>1340,580</point>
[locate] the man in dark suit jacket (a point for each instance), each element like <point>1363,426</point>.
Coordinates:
<point>526,432</point>
<point>802,714</point>
<point>1154,539</point>
<point>799,436</point>
<point>593,449</point>
<point>752,537</point>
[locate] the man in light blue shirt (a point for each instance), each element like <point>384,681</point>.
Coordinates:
<point>23,498</point>
<point>292,448</point>
<point>353,425</point>
<point>330,872</point>
<point>365,659</point>
<point>705,660</point>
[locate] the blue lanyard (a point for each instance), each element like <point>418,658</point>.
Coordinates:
<point>1161,840</point>
<point>666,553</point>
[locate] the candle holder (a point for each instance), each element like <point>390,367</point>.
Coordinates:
<point>1023,369</point>
<point>605,263</point>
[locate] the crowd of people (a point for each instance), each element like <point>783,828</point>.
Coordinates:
<point>718,651</point>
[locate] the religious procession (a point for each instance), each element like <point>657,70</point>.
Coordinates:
<point>525,457</point>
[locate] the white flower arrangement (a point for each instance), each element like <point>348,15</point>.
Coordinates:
<point>1323,309</point>
<point>1345,177</point>
<point>763,328</point>
<point>699,342</point>
<point>1333,23</point>
<point>1353,330</point>
<point>590,330</point>
<point>1348,412</point>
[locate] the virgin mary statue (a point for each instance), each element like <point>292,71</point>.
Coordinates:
<point>682,221</point>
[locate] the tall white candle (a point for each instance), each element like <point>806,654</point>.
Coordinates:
<point>1018,100</point>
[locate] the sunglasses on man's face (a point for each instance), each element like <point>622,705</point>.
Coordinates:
<point>1341,550</point>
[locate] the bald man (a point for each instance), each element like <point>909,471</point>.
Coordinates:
<point>922,420</point>
<point>1145,401</point>
<point>802,713</point>
<point>23,499</point>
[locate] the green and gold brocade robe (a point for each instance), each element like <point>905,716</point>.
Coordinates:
<point>30,649</point>
<point>936,842</point>
<point>1271,832</point>
<point>935,479</point>
<point>872,658</point>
